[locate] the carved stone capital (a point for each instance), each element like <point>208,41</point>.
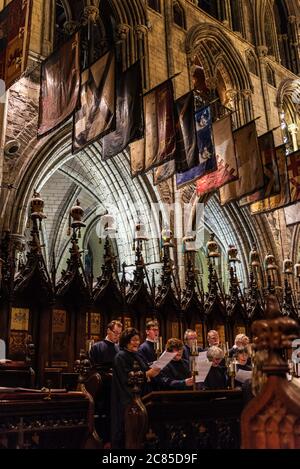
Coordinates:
<point>211,83</point>
<point>293,128</point>
<point>122,31</point>
<point>141,31</point>
<point>292,19</point>
<point>262,51</point>
<point>71,26</point>
<point>18,242</point>
<point>246,94</point>
<point>91,13</point>
<point>230,98</point>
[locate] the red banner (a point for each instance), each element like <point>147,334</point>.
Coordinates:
<point>15,22</point>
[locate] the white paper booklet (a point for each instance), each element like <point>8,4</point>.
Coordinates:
<point>202,368</point>
<point>243,375</point>
<point>163,360</point>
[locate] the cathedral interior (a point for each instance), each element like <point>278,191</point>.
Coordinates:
<point>90,243</point>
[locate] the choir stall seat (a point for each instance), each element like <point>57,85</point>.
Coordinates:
<point>43,420</point>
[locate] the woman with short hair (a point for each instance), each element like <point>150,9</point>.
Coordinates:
<point>176,375</point>
<point>121,392</point>
<point>216,377</point>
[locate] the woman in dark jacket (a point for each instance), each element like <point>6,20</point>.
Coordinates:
<point>216,378</point>
<point>121,391</point>
<point>176,375</point>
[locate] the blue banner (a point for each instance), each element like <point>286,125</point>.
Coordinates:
<point>207,156</point>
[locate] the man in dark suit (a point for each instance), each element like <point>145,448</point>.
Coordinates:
<point>213,339</point>
<point>102,355</point>
<point>147,349</point>
<point>190,340</point>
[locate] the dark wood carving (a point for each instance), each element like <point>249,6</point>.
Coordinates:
<point>32,290</point>
<point>136,421</point>
<point>235,306</point>
<point>214,303</point>
<point>272,419</point>
<point>39,420</point>
<point>193,420</point>
<point>107,294</point>
<point>192,299</point>
<point>167,298</point>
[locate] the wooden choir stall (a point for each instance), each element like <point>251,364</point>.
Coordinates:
<point>48,389</point>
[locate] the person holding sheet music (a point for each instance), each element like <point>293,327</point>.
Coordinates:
<point>176,375</point>
<point>216,378</point>
<point>242,358</point>
<point>243,378</point>
<point>241,341</point>
<point>122,394</point>
<point>147,349</point>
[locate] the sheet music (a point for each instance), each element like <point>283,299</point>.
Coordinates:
<point>202,367</point>
<point>243,375</point>
<point>203,356</point>
<point>163,360</point>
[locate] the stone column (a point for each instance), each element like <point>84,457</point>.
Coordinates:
<point>70,27</point>
<point>141,32</point>
<point>248,107</point>
<point>89,19</point>
<point>294,43</point>
<point>293,129</point>
<point>90,13</point>
<point>122,31</point>
<point>262,52</point>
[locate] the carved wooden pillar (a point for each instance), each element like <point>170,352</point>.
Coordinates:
<point>136,417</point>
<point>272,419</point>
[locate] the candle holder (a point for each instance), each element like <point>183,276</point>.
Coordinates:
<point>193,355</point>
<point>292,368</point>
<point>158,348</point>
<point>232,369</point>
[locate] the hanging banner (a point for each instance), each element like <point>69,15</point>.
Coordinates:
<point>292,214</point>
<point>97,114</point>
<point>270,168</point>
<point>207,161</point>
<point>15,25</point>
<point>293,165</point>
<point>60,84</point>
<point>282,199</point>
<point>226,159</point>
<point>160,138</point>
<point>164,172</point>
<point>137,157</point>
<point>249,162</point>
<point>187,155</point>
<point>129,113</point>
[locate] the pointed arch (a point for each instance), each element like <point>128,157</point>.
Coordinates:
<point>179,14</point>
<point>248,18</point>
<point>209,46</point>
<point>197,38</point>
